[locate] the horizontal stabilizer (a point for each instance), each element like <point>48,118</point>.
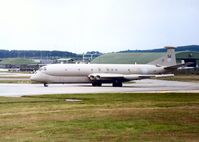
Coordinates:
<point>174,67</point>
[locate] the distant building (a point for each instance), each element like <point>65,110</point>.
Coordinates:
<point>30,67</point>
<point>19,64</point>
<point>188,56</point>
<point>45,61</point>
<point>89,56</point>
<point>65,61</point>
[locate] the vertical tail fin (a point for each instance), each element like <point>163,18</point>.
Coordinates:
<point>169,59</point>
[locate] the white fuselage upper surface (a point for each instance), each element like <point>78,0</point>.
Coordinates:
<point>79,73</point>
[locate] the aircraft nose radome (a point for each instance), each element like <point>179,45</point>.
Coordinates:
<point>33,78</point>
<point>38,77</point>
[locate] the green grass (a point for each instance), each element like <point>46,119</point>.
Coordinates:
<point>15,61</point>
<point>101,117</point>
<point>24,81</point>
<point>15,77</point>
<point>16,81</point>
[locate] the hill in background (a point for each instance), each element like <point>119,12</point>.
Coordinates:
<point>65,54</point>
<point>142,56</point>
<point>178,49</point>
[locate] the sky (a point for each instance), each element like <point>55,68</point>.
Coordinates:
<point>97,25</point>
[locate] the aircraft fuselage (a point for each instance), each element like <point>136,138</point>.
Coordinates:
<point>79,73</point>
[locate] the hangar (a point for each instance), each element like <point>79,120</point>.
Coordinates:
<point>145,57</point>
<point>188,56</point>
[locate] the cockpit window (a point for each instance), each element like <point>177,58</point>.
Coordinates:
<point>43,69</point>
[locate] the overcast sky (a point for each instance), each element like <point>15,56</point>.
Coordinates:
<point>97,25</point>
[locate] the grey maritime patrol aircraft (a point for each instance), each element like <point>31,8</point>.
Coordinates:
<point>96,74</point>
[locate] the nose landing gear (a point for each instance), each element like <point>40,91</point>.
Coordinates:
<point>45,85</point>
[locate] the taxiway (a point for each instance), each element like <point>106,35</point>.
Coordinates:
<point>143,86</point>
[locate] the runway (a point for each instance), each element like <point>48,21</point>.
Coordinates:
<point>143,86</point>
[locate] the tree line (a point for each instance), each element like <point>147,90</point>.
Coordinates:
<point>36,54</point>
<point>180,48</point>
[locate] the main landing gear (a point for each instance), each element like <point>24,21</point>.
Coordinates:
<point>97,84</point>
<point>45,85</point>
<point>117,84</point>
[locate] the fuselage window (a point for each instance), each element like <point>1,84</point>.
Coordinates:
<point>91,69</point>
<point>129,70</point>
<point>78,69</point>
<point>111,69</point>
<point>107,70</point>
<point>99,69</point>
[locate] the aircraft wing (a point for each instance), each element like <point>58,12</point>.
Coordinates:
<point>122,77</point>
<point>105,76</point>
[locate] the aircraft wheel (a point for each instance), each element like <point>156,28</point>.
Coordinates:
<point>117,84</point>
<point>99,84</point>
<point>45,85</point>
<point>96,84</point>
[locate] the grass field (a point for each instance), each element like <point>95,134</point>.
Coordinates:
<point>100,117</point>
<point>16,81</point>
